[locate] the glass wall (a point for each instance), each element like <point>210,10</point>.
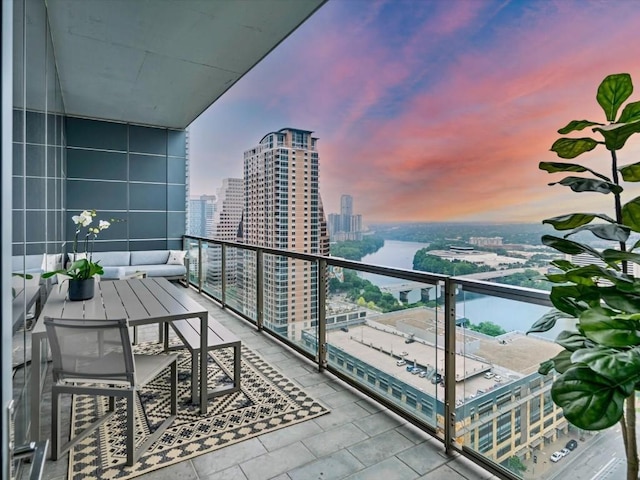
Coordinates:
<point>38,171</point>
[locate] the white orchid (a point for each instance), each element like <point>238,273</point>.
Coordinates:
<point>84,219</point>
<point>82,266</point>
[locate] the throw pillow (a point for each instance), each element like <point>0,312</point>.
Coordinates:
<point>51,262</point>
<point>176,257</point>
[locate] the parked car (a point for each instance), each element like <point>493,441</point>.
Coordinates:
<point>572,444</point>
<point>555,456</point>
<point>437,378</point>
<point>489,375</point>
<point>422,374</point>
<point>410,368</point>
<point>497,378</point>
<point>344,329</point>
<point>401,363</point>
<point>416,371</point>
<point>565,452</point>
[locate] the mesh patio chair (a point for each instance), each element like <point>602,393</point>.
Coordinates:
<point>94,357</point>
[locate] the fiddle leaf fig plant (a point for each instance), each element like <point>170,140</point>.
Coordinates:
<point>598,372</point>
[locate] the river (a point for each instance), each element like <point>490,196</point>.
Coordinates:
<point>509,314</point>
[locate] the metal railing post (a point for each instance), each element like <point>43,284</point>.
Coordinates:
<point>223,264</point>
<point>322,320</point>
<point>259,289</point>
<point>199,266</point>
<point>449,363</point>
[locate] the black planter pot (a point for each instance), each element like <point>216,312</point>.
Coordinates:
<point>81,289</point>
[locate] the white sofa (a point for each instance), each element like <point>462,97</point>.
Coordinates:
<point>152,262</point>
<point>118,264</point>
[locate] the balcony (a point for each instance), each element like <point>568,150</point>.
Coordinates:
<point>359,438</point>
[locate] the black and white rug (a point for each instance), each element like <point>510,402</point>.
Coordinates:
<point>266,402</point>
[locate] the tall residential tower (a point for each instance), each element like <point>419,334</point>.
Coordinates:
<point>283,210</point>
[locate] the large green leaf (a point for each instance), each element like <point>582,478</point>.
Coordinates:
<point>599,325</point>
<point>581,184</point>
<point>613,232</point>
<point>631,173</point>
<point>574,220</point>
<point>588,400</point>
<point>613,92</point>
<point>573,147</point>
<point>545,367</point>
<point>627,302</point>
<point>617,134</point>
<point>547,321</point>
<point>555,167</point>
<point>562,361</point>
<point>621,366</point>
<point>631,214</point>
<point>630,113</point>
<point>635,245</point>
<point>568,246</point>
<point>610,256</point>
<point>573,299</point>
<point>563,265</point>
<point>576,125</point>
<point>572,340</point>
<point>597,272</point>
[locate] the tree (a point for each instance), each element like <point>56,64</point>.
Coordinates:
<point>488,328</point>
<point>515,465</point>
<point>599,368</point>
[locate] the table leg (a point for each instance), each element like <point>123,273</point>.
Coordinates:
<point>204,357</point>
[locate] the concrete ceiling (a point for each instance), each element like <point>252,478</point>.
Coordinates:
<point>162,62</point>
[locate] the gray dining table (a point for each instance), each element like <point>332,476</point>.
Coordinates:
<point>142,301</point>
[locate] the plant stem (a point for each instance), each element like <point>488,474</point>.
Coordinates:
<point>618,203</point>
<point>631,443</point>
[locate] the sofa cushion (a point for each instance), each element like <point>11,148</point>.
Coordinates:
<point>32,263</point>
<point>176,257</point>
<point>158,270</point>
<point>148,257</point>
<point>111,259</point>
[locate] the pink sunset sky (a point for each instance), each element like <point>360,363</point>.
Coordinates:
<point>433,110</point>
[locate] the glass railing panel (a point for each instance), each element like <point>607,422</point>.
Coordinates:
<point>387,334</point>
<point>504,409</point>
<point>290,299</point>
<point>212,269</point>
<point>240,281</point>
<point>191,246</point>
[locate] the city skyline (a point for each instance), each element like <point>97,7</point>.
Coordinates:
<point>431,111</point>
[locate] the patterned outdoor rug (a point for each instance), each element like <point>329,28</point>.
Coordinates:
<point>267,401</point>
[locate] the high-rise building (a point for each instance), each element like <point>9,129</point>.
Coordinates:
<point>345,225</point>
<point>226,219</point>
<point>283,210</point>
<point>201,215</point>
<point>228,213</point>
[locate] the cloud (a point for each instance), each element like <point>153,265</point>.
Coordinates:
<point>436,110</point>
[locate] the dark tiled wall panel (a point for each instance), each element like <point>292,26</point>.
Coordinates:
<point>96,135</point>
<point>132,173</point>
<point>38,183</point>
<point>97,164</point>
